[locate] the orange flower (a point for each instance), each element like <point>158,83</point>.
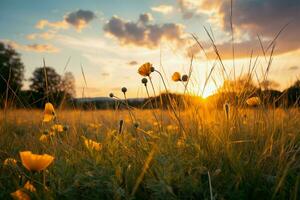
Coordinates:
<point>35,162</point>
<point>49,112</point>
<point>20,195</point>
<point>92,145</point>
<point>253,101</point>
<point>146,69</point>
<point>44,138</point>
<point>176,76</point>
<point>57,128</point>
<point>28,186</point>
<point>10,161</point>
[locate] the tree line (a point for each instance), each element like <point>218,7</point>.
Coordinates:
<point>45,83</point>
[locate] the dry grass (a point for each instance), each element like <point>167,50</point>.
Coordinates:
<point>252,155</point>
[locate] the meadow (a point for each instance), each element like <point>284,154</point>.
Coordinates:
<point>236,153</point>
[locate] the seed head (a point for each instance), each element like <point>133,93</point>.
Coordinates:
<point>144,81</point>
<point>124,89</point>
<point>184,78</point>
<point>136,124</point>
<point>111,95</point>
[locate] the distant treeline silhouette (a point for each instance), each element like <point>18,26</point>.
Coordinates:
<point>46,85</point>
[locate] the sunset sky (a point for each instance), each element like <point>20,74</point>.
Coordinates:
<point>110,39</point>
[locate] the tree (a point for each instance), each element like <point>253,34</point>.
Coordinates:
<point>46,84</point>
<point>11,73</point>
<point>45,81</point>
<point>68,85</point>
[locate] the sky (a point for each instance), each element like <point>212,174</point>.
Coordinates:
<point>109,40</point>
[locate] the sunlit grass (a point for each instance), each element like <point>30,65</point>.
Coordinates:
<point>254,153</point>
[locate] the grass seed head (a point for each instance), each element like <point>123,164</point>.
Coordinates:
<point>124,89</point>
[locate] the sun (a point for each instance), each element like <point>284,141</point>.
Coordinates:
<point>210,89</point>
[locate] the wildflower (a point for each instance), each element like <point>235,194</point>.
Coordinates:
<point>90,144</point>
<point>20,194</point>
<point>49,112</point>
<point>176,76</point>
<point>124,89</point>
<point>10,161</point>
<point>146,69</point>
<point>94,126</point>
<point>28,186</point>
<point>111,95</point>
<point>253,101</point>
<point>57,128</point>
<point>35,162</point>
<point>43,138</point>
<point>180,142</point>
<point>184,78</point>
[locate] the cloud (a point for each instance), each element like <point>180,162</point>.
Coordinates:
<point>188,8</point>
<point>293,68</point>
<point>49,48</point>
<point>44,35</point>
<point>252,17</point>
<point>143,33</point>
<point>133,62</point>
<point>56,25</point>
<point>164,9</point>
<point>78,19</point>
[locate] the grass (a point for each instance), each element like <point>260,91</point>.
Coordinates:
<point>255,154</point>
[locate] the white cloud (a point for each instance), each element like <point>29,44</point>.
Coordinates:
<point>164,9</point>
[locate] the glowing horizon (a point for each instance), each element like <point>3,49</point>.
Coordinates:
<point>111,40</point>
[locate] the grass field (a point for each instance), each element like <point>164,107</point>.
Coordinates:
<point>252,154</point>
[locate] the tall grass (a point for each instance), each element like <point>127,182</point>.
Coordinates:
<point>254,155</point>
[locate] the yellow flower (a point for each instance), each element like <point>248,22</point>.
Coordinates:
<point>35,162</point>
<point>10,161</point>
<point>20,195</point>
<point>176,76</point>
<point>253,101</point>
<point>57,128</point>
<point>94,125</point>
<point>28,186</point>
<point>180,143</point>
<point>49,112</point>
<point>146,69</point>
<point>90,144</point>
<point>44,138</point>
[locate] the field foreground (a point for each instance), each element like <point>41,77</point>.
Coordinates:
<point>249,154</point>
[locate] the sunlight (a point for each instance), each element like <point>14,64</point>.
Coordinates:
<point>209,90</point>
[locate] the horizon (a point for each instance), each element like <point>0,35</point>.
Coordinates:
<point>111,40</point>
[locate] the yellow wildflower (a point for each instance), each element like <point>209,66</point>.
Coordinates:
<point>57,128</point>
<point>94,125</point>
<point>20,195</point>
<point>28,186</point>
<point>176,76</point>
<point>35,162</point>
<point>49,113</point>
<point>90,144</point>
<point>146,69</point>
<point>10,161</point>
<point>44,138</point>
